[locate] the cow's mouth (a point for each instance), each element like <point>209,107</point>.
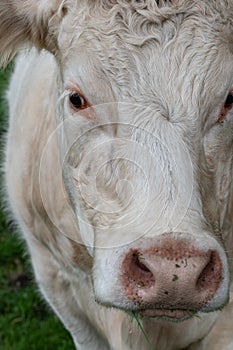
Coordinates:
<point>172,314</point>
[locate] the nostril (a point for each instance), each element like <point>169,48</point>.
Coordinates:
<point>136,273</point>
<point>138,261</point>
<point>211,276</point>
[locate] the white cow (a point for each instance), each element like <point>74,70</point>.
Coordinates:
<point>119,166</point>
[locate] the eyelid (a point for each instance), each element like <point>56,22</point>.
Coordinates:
<point>73,88</point>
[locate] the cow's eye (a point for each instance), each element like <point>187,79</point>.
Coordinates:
<point>227,106</point>
<point>77,101</point>
<point>229,101</point>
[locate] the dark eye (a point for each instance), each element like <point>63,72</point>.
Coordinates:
<point>77,101</point>
<point>229,101</point>
<point>226,107</point>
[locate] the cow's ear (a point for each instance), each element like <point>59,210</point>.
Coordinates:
<point>28,22</point>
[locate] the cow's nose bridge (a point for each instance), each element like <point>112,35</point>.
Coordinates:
<point>172,273</point>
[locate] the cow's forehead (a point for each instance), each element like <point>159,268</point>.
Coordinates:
<point>136,22</point>
<point>139,48</point>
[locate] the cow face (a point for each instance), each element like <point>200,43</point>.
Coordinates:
<point>145,104</point>
<point>148,140</point>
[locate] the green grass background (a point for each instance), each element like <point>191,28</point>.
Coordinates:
<point>26,322</point>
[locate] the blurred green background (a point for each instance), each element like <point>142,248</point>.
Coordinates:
<point>26,322</point>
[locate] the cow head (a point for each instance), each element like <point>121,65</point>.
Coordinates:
<point>145,124</point>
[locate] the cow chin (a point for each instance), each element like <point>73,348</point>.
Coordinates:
<point>173,277</point>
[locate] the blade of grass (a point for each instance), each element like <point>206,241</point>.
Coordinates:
<point>137,318</point>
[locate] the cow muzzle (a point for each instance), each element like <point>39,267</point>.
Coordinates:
<point>175,278</point>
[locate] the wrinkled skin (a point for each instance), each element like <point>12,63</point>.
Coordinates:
<point>148,155</point>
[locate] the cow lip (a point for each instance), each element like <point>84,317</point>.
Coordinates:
<point>172,314</point>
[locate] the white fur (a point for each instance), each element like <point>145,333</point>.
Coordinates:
<point>148,158</point>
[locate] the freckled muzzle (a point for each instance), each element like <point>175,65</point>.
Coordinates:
<point>173,279</point>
